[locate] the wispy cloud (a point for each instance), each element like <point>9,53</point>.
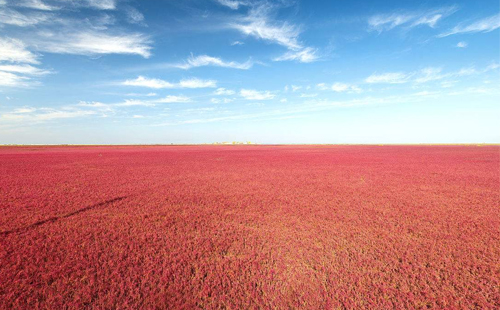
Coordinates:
<point>197,83</point>
<point>111,107</point>
<point>44,114</point>
<point>149,83</point>
<point>23,69</point>
<point>15,50</point>
<point>224,92</point>
<point>134,16</point>
<point>305,55</point>
<point>232,4</point>
<point>16,64</point>
<point>258,24</point>
<point>429,74</point>
<point>102,4</point>
<point>340,87</point>
<point>483,25</point>
<point>173,99</point>
<point>462,44</point>
<point>205,60</point>
<point>250,94</point>
<point>305,95</point>
<point>95,43</point>
<point>12,80</point>
<point>134,103</point>
<point>37,5</point>
<point>308,107</point>
<point>142,81</point>
<point>223,100</point>
<point>384,22</point>
<point>390,78</point>
<point>425,75</point>
<point>15,18</point>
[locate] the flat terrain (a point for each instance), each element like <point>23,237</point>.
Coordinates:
<point>245,227</point>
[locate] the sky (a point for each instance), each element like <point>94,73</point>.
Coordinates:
<point>265,71</point>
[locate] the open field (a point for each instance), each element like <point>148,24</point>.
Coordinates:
<point>244,227</point>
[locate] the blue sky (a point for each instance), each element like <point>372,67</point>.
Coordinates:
<point>202,71</point>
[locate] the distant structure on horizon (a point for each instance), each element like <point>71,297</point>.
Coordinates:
<point>232,143</point>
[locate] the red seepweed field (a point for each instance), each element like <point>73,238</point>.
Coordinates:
<point>250,227</point>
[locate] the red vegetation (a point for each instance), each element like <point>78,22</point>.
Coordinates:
<point>241,227</point>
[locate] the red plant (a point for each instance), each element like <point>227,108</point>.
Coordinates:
<point>242,227</point>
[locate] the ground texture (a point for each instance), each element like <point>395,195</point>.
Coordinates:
<point>248,227</point>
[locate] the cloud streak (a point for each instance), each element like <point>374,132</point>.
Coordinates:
<point>258,24</point>
<point>389,78</point>
<point>487,24</point>
<point>96,43</point>
<point>385,22</point>
<point>340,87</point>
<point>142,81</point>
<point>205,60</point>
<point>425,75</point>
<point>250,94</point>
<point>305,55</point>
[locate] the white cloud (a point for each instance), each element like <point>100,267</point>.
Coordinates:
<point>462,44</point>
<point>493,66</point>
<point>44,114</point>
<point>258,25</point>
<point>138,116</point>
<point>205,60</point>
<point>14,50</point>
<point>15,68</point>
<point>390,78</point>
<point>237,43</point>
<point>134,16</point>
<point>305,55</point>
<point>158,84</point>
<point>215,100</point>
<point>429,74</point>
<point>23,69</point>
<point>12,80</point>
<point>141,95</point>
<point>388,22</point>
<point>343,87</point>
<point>250,94</point>
<point>94,104</point>
<point>15,18</point>
<point>483,25</point>
<point>96,43</point>
<point>340,87</point>
<point>232,4</point>
<point>426,75</point>
<point>133,103</point>
<point>197,83</point>
<point>384,22</point>
<point>36,4</point>
<point>304,95</point>
<point>150,83</point>
<point>24,110</point>
<point>430,20</point>
<point>173,99</point>
<point>102,4</point>
<point>295,88</point>
<point>224,92</point>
